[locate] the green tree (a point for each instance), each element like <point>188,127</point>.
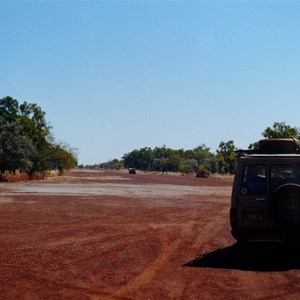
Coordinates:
<point>204,157</point>
<point>226,157</point>
<point>63,158</point>
<point>9,109</point>
<point>281,130</point>
<point>163,159</point>
<point>131,159</point>
<point>32,118</point>
<point>26,142</point>
<point>145,159</point>
<point>188,166</point>
<point>112,164</point>
<point>16,149</point>
<point>166,159</point>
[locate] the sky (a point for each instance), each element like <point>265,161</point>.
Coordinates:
<point>114,76</point>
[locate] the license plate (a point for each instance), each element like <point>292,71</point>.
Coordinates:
<point>253,218</point>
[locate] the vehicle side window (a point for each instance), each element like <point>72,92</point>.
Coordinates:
<point>254,180</point>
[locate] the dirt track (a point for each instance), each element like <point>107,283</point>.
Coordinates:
<point>111,235</point>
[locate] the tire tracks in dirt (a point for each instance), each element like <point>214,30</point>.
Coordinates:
<point>167,249</point>
<point>144,277</point>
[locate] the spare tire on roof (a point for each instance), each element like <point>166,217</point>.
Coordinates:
<point>284,206</point>
<point>280,145</point>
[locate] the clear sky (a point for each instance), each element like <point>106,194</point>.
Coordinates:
<point>114,76</point>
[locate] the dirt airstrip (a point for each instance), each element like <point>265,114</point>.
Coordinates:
<point>112,235</point>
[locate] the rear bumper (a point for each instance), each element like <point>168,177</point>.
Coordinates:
<point>266,235</point>
<point>256,235</point>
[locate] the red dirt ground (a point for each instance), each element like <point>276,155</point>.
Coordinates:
<point>111,235</point>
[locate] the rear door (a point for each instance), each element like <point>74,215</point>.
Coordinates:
<point>252,197</point>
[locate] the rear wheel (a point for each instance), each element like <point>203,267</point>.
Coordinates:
<point>285,206</point>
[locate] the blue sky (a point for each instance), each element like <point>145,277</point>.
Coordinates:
<point>114,76</point>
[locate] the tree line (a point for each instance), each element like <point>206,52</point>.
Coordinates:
<point>164,159</point>
<point>197,160</point>
<point>26,142</point>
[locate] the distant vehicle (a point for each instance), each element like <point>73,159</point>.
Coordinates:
<point>265,201</point>
<point>132,171</point>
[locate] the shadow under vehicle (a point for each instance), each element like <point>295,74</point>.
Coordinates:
<point>259,257</point>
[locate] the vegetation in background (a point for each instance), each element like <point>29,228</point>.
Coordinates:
<point>279,130</point>
<point>199,160</point>
<point>26,143</point>
<point>226,157</point>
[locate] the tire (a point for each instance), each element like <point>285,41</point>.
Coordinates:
<point>285,206</point>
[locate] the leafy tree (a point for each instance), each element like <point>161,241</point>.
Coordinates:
<point>173,162</point>
<point>64,158</point>
<point>26,143</point>
<point>111,164</point>
<point>226,157</point>
<point>145,159</point>
<point>281,130</point>
<point>162,152</point>
<point>160,165</point>
<point>163,159</point>
<point>131,159</point>
<point>188,154</point>
<point>51,156</point>
<point>188,166</point>
<point>16,149</point>
<point>32,118</point>
<point>184,167</point>
<point>166,159</point>
<point>9,109</point>
<point>204,157</point>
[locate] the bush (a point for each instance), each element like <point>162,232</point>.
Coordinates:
<point>202,173</point>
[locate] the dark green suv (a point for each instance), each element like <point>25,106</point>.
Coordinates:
<point>265,201</point>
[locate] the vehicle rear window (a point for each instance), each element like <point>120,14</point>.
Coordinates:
<point>282,174</point>
<point>254,180</point>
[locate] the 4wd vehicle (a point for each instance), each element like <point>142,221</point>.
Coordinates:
<point>265,201</point>
<point>131,171</point>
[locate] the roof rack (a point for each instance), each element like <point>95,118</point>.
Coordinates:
<point>275,146</point>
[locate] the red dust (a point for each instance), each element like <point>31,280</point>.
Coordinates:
<point>84,239</point>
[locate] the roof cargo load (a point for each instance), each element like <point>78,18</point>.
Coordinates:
<point>280,145</point>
